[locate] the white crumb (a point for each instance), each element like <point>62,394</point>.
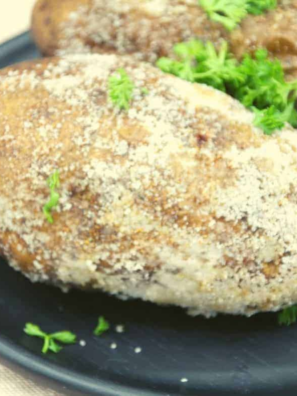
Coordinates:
<point>120,329</point>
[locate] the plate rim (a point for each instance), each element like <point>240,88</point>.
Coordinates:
<point>21,40</point>
<point>38,365</point>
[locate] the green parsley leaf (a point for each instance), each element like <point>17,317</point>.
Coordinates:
<point>121,88</point>
<point>257,81</point>
<point>49,344</point>
<point>227,12</point>
<point>258,7</point>
<point>199,62</point>
<point>64,336</point>
<point>182,70</point>
<point>53,183</point>
<point>217,68</point>
<point>231,12</point>
<point>191,50</point>
<point>264,83</point>
<point>269,120</point>
<point>53,346</point>
<point>102,326</point>
<point>288,316</point>
<point>34,330</point>
<point>144,91</point>
<point>46,344</point>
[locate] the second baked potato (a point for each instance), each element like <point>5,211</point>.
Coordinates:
<point>148,29</point>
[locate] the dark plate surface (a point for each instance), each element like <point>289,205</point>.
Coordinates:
<point>223,356</point>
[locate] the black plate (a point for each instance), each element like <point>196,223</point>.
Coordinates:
<point>223,356</point>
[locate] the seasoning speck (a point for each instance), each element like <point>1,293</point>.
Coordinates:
<point>82,343</point>
<point>184,380</point>
<point>113,346</point>
<point>137,350</point>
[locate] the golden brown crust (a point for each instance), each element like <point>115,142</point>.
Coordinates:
<point>47,18</point>
<point>177,200</point>
<point>276,31</point>
<point>149,29</point>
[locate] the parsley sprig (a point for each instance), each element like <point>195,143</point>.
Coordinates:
<point>202,63</point>
<point>258,7</point>
<point>49,340</point>
<point>231,12</point>
<point>120,89</point>
<point>270,119</point>
<point>227,12</point>
<point>53,183</point>
<point>102,326</point>
<point>288,316</point>
<point>257,82</point>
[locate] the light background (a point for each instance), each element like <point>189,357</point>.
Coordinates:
<point>15,18</point>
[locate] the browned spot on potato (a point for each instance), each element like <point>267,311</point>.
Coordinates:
<point>270,270</point>
<point>201,139</point>
<point>47,20</point>
<point>282,45</point>
<point>133,135</point>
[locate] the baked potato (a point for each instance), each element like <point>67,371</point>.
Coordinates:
<point>176,199</point>
<point>148,29</point>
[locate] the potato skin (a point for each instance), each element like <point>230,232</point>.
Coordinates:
<point>149,30</point>
<point>47,17</point>
<point>177,200</point>
<point>145,35</point>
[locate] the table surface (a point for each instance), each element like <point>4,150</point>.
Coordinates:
<point>14,19</point>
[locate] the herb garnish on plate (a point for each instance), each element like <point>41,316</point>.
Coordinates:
<point>288,316</point>
<point>102,326</point>
<point>50,344</point>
